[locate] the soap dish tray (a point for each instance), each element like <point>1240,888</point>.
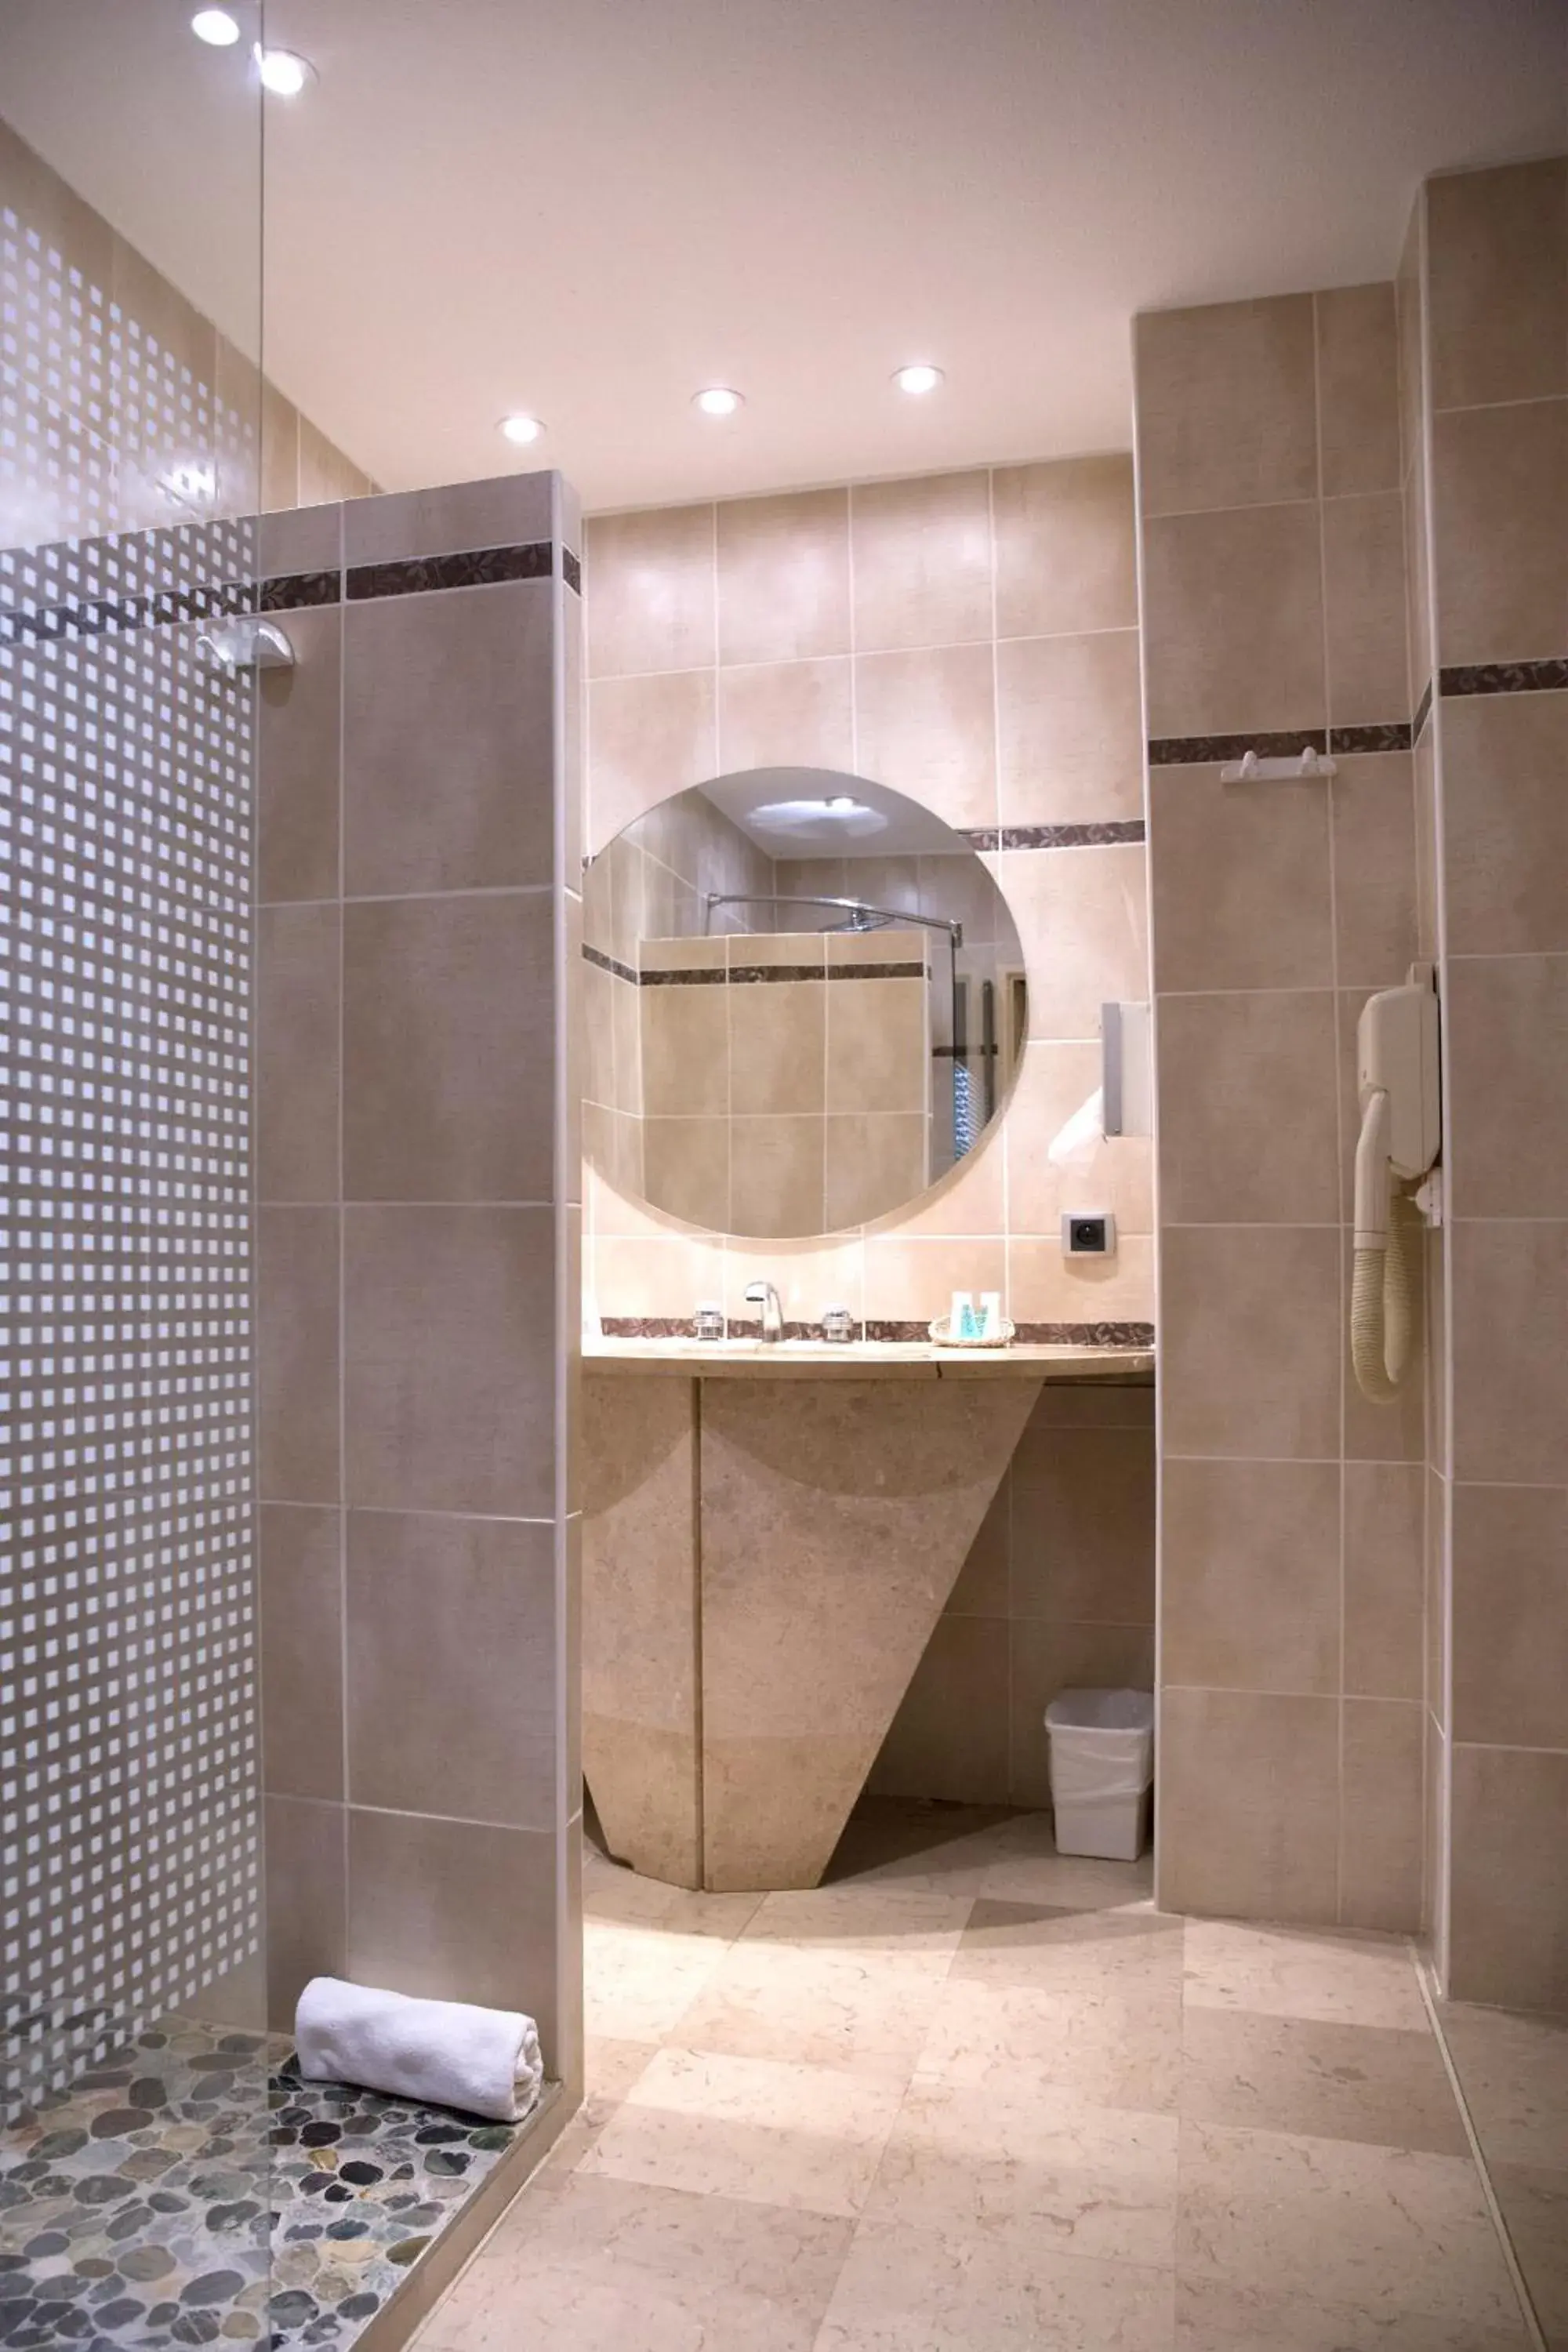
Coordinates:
<point>1003,1333</point>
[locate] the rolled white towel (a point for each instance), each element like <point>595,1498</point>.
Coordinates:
<point>444,2054</point>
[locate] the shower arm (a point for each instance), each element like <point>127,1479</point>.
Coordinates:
<point>847,905</point>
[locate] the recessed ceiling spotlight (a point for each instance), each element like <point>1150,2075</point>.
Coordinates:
<point>521,429</point>
<point>916,379</point>
<point>215,26</point>
<point>717,399</point>
<point>282,71</point>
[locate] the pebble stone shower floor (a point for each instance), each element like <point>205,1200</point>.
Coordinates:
<point>191,2189</point>
<point>972,2096</point>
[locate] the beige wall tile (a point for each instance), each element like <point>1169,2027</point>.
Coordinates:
<point>1507,1938</point>
<point>1066,552</point>
<point>418,671</point>
<point>685,1051</point>
<point>1233,621</point>
<point>1510,1318</point>
<point>448,1048</point>
<point>777,1175</point>
<point>297,1011</point>
<point>650,584</point>
<point>685,1169</point>
<point>1044,1286</point>
<point>1500,483</point>
<point>1249,1321</point>
<point>877,1050</point>
<point>1249,1805</point>
<point>1048,1658</point>
<point>1385,1523</point>
<point>1358,389</point>
<point>788,714</point>
<point>778,1044</point>
<point>1070,728</point>
<point>645,1273</point>
<point>304,538</point>
<point>1372,803</point>
<point>808,1275</point>
<point>981,1589</point>
<point>1427,894</point>
<point>279,450</point>
<point>1383,1822</point>
<point>1240,883</point>
<point>298,724</point>
<point>968,1200</point>
<point>1510,1615</point>
<point>922,569</point>
<point>1090,1404</point>
<point>1055,1081</point>
<point>326,472</point>
<point>1418,578</point>
<point>648,738</point>
<point>306,1901</point>
<point>448,1345</point>
<point>1227,406</point>
<point>1250,1118</point>
<point>875,1163</point>
<point>913,1280</point>
<point>1249,1556</point>
<point>297,1354</point>
<point>1440,1507</point>
<point>455,1911</point>
<point>1498,245</point>
<point>784,576</point>
<point>451,1621</point>
<point>302,1581</point>
<point>1082,921</point>
<point>506,510</point>
<point>1508,1076</point>
<point>949,1738</point>
<point>1083,1527</point>
<point>1505,819</point>
<point>1363,586</point>
<point>926,725</point>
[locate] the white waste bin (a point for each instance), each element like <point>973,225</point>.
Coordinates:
<point>1103,1771</point>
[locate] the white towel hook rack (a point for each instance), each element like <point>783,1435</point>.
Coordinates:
<point>1250,769</point>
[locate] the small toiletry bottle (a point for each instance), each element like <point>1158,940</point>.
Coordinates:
<point>991,1315</point>
<point>837,1325</point>
<point>962,1325</point>
<point>709,1321</point>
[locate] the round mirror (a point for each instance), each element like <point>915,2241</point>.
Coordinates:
<point>805,1003</point>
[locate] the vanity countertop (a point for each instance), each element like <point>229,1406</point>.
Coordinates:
<point>861,1360</point>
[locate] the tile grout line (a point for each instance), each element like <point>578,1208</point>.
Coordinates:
<point>1477,2154</point>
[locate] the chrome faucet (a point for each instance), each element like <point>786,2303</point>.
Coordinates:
<point>764,1295</point>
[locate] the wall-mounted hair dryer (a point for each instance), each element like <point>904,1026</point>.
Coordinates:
<point>1396,1059</point>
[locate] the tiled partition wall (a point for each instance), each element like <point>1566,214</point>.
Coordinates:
<point>420,950</point>
<point>970,639</point>
<point>1496,354</point>
<point>1292,1748</point>
<point>152,416</point>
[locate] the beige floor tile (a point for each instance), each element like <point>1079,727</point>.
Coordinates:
<point>611,2067</point>
<point>610,2266</point>
<point>1380,2230</point>
<point>1341,1980</point>
<point>894,1922</point>
<point>939,2288</point>
<point>1097,2181</point>
<point>1034,1872</point>
<point>1534,2202</point>
<point>1377,2083</point>
<point>834,2008</point>
<point>1514,2070</point>
<point>639,1981</point>
<point>757,2129</point>
<point>613,1893</point>
<point>1114,2051</point>
<point>1070,1951</point>
<point>1212,2317</point>
<point>934,1849</point>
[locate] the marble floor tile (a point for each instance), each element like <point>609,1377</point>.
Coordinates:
<point>936,2287</point>
<point>1534,2202</point>
<point>1070,1951</point>
<point>1214,2316</point>
<point>768,2132</point>
<point>1336,1976</point>
<point>1030,1870</point>
<point>1378,2083</point>
<point>818,2008</point>
<point>1514,2070</point>
<point>935,1848</point>
<point>1380,2230</point>
<point>1115,2049</point>
<point>615,1893</point>
<point>609,2265</point>
<point>610,2069</point>
<point>639,1981</point>
<point>894,1922</point>
<point>1096,2181</point>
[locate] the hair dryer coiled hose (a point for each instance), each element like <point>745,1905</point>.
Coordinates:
<point>1382,1291</point>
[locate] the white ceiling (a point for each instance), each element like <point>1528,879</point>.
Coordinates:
<point>589,209</point>
<point>905,830</point>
